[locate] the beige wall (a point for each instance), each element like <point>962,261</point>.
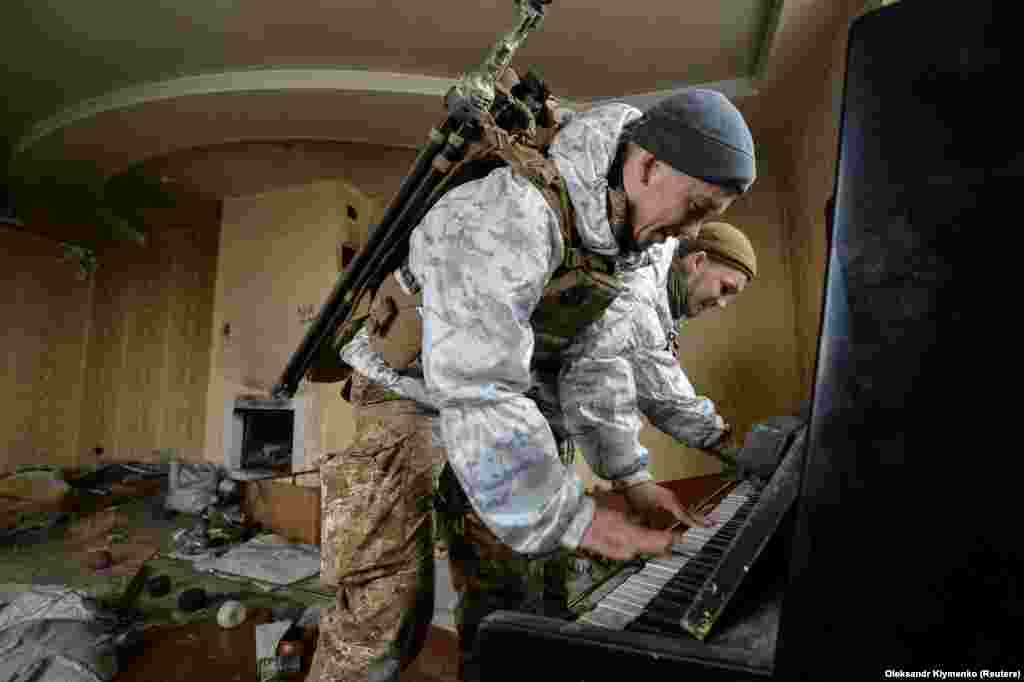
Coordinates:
<point>117,361</point>
<point>277,265</point>
<point>46,310</point>
<point>147,363</point>
<point>810,179</point>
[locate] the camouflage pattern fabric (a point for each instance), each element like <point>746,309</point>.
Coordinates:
<point>360,355</point>
<point>377,543</point>
<point>488,576</point>
<point>483,255</point>
<point>622,368</point>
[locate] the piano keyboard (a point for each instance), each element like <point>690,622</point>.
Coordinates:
<point>648,617</point>
<point>654,599</point>
<point>687,592</point>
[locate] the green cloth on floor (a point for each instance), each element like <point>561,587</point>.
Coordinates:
<point>48,562</point>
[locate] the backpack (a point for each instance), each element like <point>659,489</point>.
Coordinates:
<point>580,289</point>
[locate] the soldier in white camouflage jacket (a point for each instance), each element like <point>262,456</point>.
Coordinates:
<point>482,257</point>
<point>625,364</point>
<point>621,366</point>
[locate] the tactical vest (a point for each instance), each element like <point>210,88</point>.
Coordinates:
<point>579,291</point>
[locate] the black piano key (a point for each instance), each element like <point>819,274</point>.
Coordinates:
<point>701,560</point>
<point>678,591</point>
<point>692,574</point>
<point>669,607</point>
<point>688,579</point>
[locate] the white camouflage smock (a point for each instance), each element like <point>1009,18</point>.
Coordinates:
<point>621,367</point>
<point>482,256</point>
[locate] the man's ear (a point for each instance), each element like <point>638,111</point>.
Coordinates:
<point>648,166</point>
<point>639,165</point>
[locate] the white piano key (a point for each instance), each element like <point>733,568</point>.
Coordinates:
<point>615,618</point>
<point>650,581</point>
<point>627,598</point>
<point>598,618</point>
<point>642,588</point>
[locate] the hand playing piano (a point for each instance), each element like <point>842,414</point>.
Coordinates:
<point>614,536</point>
<point>659,507</point>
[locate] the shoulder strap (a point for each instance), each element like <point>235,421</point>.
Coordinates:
<point>522,153</point>
<point>533,164</point>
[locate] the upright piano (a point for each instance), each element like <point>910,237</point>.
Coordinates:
<point>886,542</point>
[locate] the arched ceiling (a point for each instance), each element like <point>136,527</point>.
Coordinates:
<point>115,84</point>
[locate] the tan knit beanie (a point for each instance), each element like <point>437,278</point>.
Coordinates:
<point>726,244</point>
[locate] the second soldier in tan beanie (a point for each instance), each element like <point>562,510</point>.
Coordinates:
<point>707,272</point>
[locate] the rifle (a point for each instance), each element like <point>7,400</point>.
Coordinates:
<point>471,99</point>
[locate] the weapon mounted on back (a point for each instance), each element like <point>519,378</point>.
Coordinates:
<point>473,104</point>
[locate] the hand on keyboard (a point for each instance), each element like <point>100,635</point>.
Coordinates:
<point>612,535</point>
<point>660,508</point>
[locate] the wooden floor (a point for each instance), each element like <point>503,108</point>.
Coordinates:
<point>205,651</point>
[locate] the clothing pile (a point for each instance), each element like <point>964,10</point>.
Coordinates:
<point>50,633</point>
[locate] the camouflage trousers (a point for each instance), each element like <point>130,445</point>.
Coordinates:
<point>488,576</point>
<point>377,546</point>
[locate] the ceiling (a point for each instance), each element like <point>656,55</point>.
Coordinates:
<point>115,84</point>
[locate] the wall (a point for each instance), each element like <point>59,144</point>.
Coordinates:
<point>122,361</point>
<point>45,306</point>
<point>810,181</point>
<point>147,362</point>
<point>239,169</point>
<point>278,263</point>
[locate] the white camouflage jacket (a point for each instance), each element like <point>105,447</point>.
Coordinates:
<point>482,257</point>
<point>620,367</point>
<point>623,366</point>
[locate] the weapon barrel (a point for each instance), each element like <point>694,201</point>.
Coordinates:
<point>386,244</point>
<point>392,250</point>
<point>338,305</point>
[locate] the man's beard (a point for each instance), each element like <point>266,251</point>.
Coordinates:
<point>678,294</point>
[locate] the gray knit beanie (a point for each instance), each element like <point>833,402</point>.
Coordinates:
<point>702,134</point>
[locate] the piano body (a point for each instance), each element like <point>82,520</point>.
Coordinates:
<point>890,546</point>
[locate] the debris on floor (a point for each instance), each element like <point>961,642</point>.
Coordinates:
<point>55,634</point>
<point>267,558</point>
<point>114,537</point>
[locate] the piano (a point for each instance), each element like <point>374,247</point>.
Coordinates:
<point>685,593</point>
<point>674,608</point>
<point>894,543</point>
